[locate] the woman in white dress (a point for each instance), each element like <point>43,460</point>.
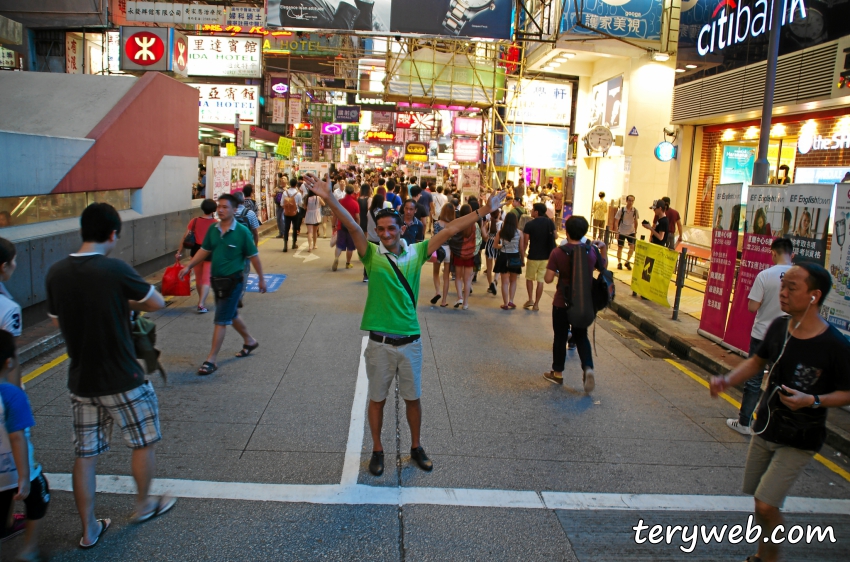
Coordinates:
<point>313,218</point>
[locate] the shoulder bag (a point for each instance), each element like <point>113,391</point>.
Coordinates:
<point>189,241</point>
<point>403,281</point>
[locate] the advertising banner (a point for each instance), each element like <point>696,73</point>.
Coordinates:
<point>766,220</point>
<point>284,147</point>
<point>466,150</point>
<point>538,101</point>
<point>229,174</point>
<point>470,183</point>
<point>419,121</point>
<point>318,169</point>
<point>225,56</point>
<point>416,152</point>
<point>654,267</point>
<point>607,108</point>
<point>455,18</point>
<point>220,103</point>
<point>636,19</point>
<point>810,205</point>
<point>536,147</point>
<point>182,13</point>
<point>347,114</point>
<point>737,164</point>
<point>470,126</point>
<point>724,256</point>
<point>836,307</point>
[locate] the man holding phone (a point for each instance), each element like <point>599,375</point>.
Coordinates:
<point>662,226</point>
<point>395,347</point>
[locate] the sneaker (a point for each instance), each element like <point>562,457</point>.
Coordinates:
<point>349,266</point>
<point>628,266</point>
<point>492,289</point>
<point>335,264</point>
<point>418,456</point>
<point>620,266</point>
<point>550,376</point>
<point>202,310</point>
<point>19,524</point>
<point>376,465</point>
<point>589,381</point>
<point>738,426</point>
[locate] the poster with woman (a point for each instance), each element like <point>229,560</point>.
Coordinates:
<point>724,253</point>
<point>809,207</point>
<point>836,308</point>
<point>766,211</point>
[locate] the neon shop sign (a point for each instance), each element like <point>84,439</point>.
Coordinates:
<point>737,23</point>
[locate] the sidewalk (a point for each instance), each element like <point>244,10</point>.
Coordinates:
<point>681,338</point>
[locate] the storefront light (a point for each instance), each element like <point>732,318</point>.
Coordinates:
<point>554,64</point>
<point>690,66</point>
<point>680,70</point>
<point>777,130</point>
<point>728,135</point>
<point>843,125</point>
<point>810,127</point>
<point>751,133</point>
<point>660,57</point>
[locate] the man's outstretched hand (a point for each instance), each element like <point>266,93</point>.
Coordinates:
<point>317,186</point>
<point>495,202</point>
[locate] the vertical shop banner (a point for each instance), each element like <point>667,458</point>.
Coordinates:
<point>766,220</point>
<point>470,183</point>
<point>836,307</point>
<point>724,256</point>
<point>654,267</point>
<point>810,205</point>
<point>229,174</point>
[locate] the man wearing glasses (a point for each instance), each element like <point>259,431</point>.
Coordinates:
<point>395,347</point>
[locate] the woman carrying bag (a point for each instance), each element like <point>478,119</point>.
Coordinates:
<point>509,261</point>
<point>192,240</point>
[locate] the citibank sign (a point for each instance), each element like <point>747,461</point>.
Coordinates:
<point>737,23</point>
<point>807,142</point>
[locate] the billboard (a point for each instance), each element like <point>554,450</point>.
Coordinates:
<point>220,103</point>
<point>238,57</point>
<point>538,101</point>
<point>536,147</point>
<point>489,19</point>
<point>607,109</point>
<point>635,19</point>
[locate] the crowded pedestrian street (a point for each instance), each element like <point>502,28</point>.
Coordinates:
<point>268,456</point>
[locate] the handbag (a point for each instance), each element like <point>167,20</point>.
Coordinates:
<point>189,241</point>
<point>172,285</point>
<point>514,260</point>
<point>223,286</point>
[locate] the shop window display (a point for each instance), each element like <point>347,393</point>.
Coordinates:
<point>15,211</point>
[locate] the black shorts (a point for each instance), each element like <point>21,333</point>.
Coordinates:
<point>621,239</point>
<point>35,504</point>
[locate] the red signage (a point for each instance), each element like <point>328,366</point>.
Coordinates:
<point>144,48</point>
<point>421,121</point>
<point>180,54</point>
<point>466,150</point>
<point>380,136</point>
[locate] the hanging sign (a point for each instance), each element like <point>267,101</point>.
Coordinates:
<point>416,152</point>
<point>468,126</point>
<point>466,150</point>
<point>724,256</point>
<point>221,103</point>
<point>420,121</point>
<point>225,56</point>
<point>347,114</point>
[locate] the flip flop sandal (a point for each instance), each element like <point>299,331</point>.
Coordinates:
<point>163,505</point>
<point>207,368</point>
<point>444,305</point>
<point>104,525</point>
<point>458,304</point>
<point>247,349</point>
<point>436,298</point>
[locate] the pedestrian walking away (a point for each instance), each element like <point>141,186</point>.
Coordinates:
<point>290,205</point>
<point>810,372</point>
<point>344,243</point>
<point>11,319</point>
<point>492,226</point>
<point>626,221</point>
<point>600,216</point>
<point>572,307</point>
<point>538,237</point>
<point>313,218</point>
<point>89,297</point>
<point>198,228</point>
<point>763,300</point>
<point>464,245</point>
<point>395,347</point>
<point>442,259</point>
<point>230,245</point>
<point>509,261</point>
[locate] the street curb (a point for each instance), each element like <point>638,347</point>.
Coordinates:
<point>836,438</point>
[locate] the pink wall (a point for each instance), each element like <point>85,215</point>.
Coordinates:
<point>158,117</point>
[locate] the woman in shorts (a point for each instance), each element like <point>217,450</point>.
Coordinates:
<point>313,218</point>
<point>447,215</point>
<point>492,227</point>
<point>509,260</point>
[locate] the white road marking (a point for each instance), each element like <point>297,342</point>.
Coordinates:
<point>351,466</point>
<point>306,256</point>
<point>349,492</point>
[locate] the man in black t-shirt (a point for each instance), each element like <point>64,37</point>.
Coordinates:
<point>538,236</point>
<point>90,296</point>
<point>661,229</point>
<point>811,372</point>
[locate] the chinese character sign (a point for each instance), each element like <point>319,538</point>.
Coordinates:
<point>636,19</point>
<point>420,121</point>
<point>467,126</point>
<point>347,114</point>
<point>225,56</point>
<point>220,103</point>
<point>176,13</point>
<point>724,255</point>
<point>74,56</point>
<point>836,308</point>
<point>766,211</point>
<point>246,16</point>
<point>7,58</point>
<point>537,101</point>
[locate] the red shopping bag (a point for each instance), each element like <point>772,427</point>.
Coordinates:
<point>172,286</point>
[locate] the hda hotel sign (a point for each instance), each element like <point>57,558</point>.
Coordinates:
<point>733,23</point>
<point>225,56</point>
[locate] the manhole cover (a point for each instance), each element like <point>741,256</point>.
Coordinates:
<point>656,353</point>
<point>629,334</point>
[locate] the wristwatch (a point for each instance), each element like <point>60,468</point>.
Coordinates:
<point>461,11</point>
<point>816,403</point>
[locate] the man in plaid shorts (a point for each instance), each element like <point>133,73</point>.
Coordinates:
<point>90,296</point>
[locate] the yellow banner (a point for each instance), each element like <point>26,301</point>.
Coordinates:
<point>231,149</point>
<point>284,147</point>
<point>654,268</point>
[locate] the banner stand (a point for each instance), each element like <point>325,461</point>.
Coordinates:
<point>710,336</point>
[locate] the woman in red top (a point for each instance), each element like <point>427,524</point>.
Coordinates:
<point>199,226</point>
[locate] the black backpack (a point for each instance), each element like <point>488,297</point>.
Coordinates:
<point>584,295</point>
<point>242,218</point>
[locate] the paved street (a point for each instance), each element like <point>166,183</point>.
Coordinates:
<point>269,455</point>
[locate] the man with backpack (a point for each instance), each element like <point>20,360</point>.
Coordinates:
<point>626,220</point>
<point>247,218</point>
<point>573,308</point>
<point>290,202</point>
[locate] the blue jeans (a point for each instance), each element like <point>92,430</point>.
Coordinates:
<point>227,309</point>
<point>752,389</point>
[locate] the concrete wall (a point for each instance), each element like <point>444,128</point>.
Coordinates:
<point>169,187</point>
<point>48,160</point>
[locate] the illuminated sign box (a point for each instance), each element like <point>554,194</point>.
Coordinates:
<point>331,129</point>
<point>219,103</point>
<point>466,150</point>
<point>469,126</point>
<point>225,56</point>
<point>416,152</point>
<point>380,136</point>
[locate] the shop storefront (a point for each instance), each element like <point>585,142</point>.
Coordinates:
<point>804,148</point>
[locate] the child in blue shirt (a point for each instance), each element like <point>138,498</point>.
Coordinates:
<point>21,478</point>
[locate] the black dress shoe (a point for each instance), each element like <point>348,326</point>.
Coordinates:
<point>376,465</point>
<point>421,459</point>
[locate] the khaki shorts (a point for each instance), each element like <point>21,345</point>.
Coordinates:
<point>384,362</point>
<point>535,270</point>
<point>772,469</point>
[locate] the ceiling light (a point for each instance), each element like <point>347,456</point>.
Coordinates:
<point>660,57</point>
<point>689,66</point>
<point>680,70</point>
<point>204,129</point>
<point>554,64</point>
<point>567,55</point>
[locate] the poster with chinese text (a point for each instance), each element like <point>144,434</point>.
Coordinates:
<point>836,307</point>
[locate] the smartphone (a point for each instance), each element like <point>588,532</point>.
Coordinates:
<point>783,391</point>
<point>645,222</point>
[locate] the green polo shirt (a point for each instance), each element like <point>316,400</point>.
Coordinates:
<point>229,249</point>
<point>388,307</point>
